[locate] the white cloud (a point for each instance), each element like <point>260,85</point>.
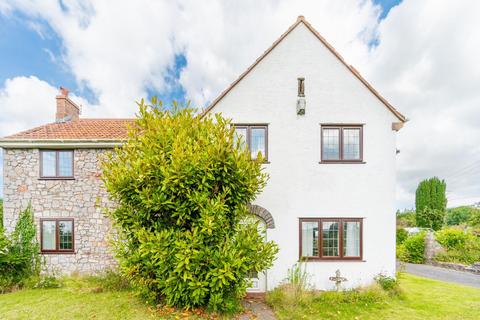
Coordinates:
<point>425,64</point>
<point>26,102</point>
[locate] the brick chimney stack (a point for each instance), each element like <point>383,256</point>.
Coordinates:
<point>67,110</point>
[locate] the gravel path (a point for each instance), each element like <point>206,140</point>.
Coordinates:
<point>442,274</point>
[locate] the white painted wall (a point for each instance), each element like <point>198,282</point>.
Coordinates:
<point>301,187</point>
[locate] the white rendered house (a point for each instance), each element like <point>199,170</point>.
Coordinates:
<point>329,140</point>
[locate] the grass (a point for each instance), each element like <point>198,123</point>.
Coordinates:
<point>420,299</point>
<point>81,298</point>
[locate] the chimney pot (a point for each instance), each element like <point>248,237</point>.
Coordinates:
<point>64,91</point>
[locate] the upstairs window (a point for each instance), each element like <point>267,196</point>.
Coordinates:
<point>56,164</point>
<point>57,235</point>
<point>331,238</point>
<point>255,137</point>
<point>342,143</point>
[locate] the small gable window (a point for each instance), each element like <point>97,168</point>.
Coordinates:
<point>56,164</point>
<point>341,143</point>
<point>57,235</point>
<point>255,137</point>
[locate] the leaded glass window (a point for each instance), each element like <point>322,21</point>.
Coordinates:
<point>341,143</point>
<point>331,238</point>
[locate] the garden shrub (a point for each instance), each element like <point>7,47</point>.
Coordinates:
<point>413,249</point>
<point>389,284</point>
<point>451,238</point>
<point>459,215</point>
<point>475,219</point>
<point>19,253</point>
<point>462,246</point>
<point>401,235</point>
<point>182,185</point>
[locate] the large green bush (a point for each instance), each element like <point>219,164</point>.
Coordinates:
<point>475,219</point>
<point>430,203</point>
<point>413,249</point>
<point>401,235</point>
<point>19,253</point>
<point>182,185</point>
<point>461,246</point>
<point>459,215</point>
<point>451,238</point>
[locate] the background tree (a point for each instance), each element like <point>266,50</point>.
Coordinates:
<point>430,203</point>
<point>460,215</point>
<point>182,185</point>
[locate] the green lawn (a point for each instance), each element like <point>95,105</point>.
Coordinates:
<point>421,299</point>
<point>79,300</point>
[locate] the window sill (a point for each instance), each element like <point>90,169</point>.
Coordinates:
<point>57,252</point>
<point>56,178</point>
<point>342,162</point>
<point>331,260</point>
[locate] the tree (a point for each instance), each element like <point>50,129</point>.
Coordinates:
<point>430,218</point>
<point>430,202</point>
<point>182,185</point>
<point>459,215</point>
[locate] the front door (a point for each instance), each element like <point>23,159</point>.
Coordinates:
<point>258,280</point>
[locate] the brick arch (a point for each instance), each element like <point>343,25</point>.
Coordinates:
<point>263,214</point>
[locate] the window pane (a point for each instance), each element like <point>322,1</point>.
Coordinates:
<point>351,144</point>
<point>48,235</point>
<point>48,163</point>
<point>330,243</point>
<point>330,146</point>
<point>241,135</point>
<point>65,235</point>
<point>351,239</point>
<point>257,142</point>
<point>309,239</point>
<point>65,163</point>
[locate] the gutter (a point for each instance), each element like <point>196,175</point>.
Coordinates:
<point>60,143</point>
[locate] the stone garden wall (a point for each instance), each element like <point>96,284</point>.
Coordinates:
<point>82,199</point>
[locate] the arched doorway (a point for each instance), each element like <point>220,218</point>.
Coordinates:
<point>259,280</point>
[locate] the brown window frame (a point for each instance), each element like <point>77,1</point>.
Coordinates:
<point>249,128</point>
<point>56,176</point>
<point>340,128</point>
<point>57,236</point>
<point>320,239</point>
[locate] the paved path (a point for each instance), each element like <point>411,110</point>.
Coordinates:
<point>442,274</point>
<point>256,309</point>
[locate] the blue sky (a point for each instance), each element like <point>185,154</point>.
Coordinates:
<point>25,51</point>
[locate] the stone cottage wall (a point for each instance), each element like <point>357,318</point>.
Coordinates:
<point>82,199</point>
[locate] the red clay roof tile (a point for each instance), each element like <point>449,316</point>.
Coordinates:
<point>82,129</point>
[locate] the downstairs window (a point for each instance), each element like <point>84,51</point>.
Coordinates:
<point>57,235</point>
<point>331,238</point>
